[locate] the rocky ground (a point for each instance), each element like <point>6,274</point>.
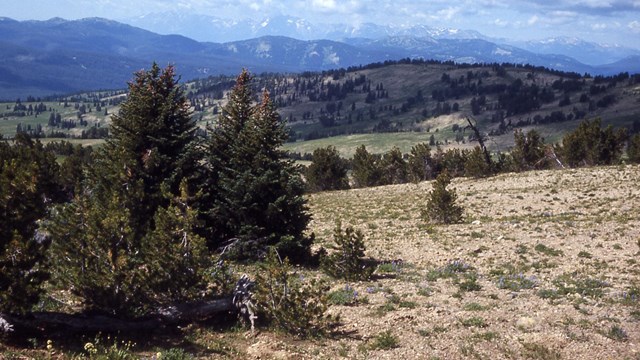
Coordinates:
<point>545,266</point>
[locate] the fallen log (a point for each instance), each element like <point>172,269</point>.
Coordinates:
<point>93,323</point>
<point>238,302</point>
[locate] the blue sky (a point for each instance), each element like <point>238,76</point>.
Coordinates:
<point>604,21</point>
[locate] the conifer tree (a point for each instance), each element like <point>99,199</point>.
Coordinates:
<point>394,167</point>
<point>441,203</point>
<point>256,193</point>
<point>420,164</point>
<point>126,242</point>
<point>365,168</point>
<point>633,149</point>
<point>475,164</point>
<point>328,171</point>
<point>529,151</point>
<point>27,184</point>
<point>589,145</point>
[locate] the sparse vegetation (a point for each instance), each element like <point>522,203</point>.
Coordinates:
<point>290,302</point>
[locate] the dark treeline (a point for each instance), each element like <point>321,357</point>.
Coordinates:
<point>587,145</point>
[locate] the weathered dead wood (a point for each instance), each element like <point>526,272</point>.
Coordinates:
<point>88,323</point>
<point>480,138</point>
<point>238,302</point>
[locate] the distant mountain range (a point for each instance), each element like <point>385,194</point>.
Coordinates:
<point>60,56</point>
<point>213,29</point>
<point>210,28</point>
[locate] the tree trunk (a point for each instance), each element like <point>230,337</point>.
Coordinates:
<point>90,323</point>
<point>487,157</point>
<point>238,302</point>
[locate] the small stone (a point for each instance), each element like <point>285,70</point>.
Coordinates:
<point>526,323</point>
<point>476,222</point>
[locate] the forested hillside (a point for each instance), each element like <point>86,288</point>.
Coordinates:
<point>419,96</point>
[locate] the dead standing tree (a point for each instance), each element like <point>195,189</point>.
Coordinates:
<point>473,125</point>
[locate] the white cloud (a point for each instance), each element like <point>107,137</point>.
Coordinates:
<point>634,26</point>
<point>598,26</point>
<point>448,13</point>
<point>533,20</point>
<point>324,5</point>
<point>500,22</point>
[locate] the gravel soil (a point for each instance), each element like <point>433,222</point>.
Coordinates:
<point>544,266</point>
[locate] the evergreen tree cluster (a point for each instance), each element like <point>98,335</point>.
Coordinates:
<point>145,213</point>
<point>587,145</point>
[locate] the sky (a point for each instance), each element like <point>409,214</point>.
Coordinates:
<point>602,21</point>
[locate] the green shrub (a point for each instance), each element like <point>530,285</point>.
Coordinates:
<point>469,283</point>
<point>346,261</point>
<point>344,296</point>
<point>590,145</point>
<point>385,340</point>
<point>516,282</point>
<point>529,151</point>
<point>617,333</point>
<point>549,251</point>
<point>290,303</point>
<point>175,354</point>
<point>475,164</point>
<point>441,203</point>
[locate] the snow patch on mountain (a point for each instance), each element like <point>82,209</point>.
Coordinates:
<point>499,51</point>
<point>263,49</point>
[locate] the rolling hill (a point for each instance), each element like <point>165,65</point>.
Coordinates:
<point>383,104</point>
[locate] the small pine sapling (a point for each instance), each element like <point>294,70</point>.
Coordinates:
<point>347,259</point>
<point>290,303</point>
<point>441,204</point>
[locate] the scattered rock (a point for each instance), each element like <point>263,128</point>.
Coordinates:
<point>476,222</point>
<point>526,323</point>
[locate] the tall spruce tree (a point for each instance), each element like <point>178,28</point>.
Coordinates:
<point>256,192</point>
<point>126,242</point>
